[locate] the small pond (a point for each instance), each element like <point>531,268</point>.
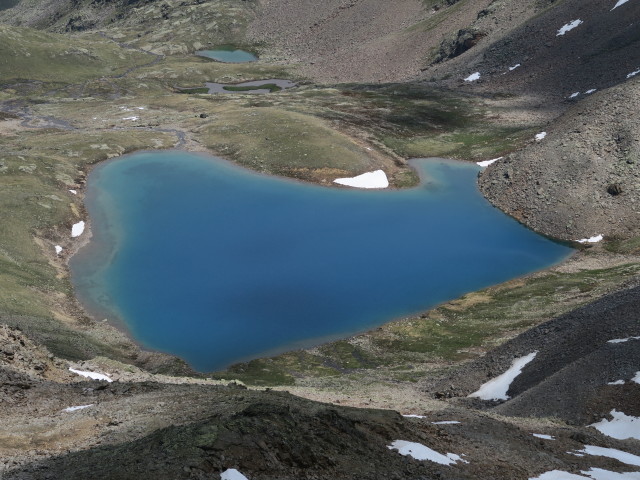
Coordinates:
<point>216,264</point>
<point>228,54</point>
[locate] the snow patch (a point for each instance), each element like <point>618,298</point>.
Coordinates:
<point>232,474</point>
<point>93,375</point>
<point>540,136</point>
<point>558,475</point>
<point>79,407</point>
<point>636,379</point>
<point>574,94</point>
<point>590,91</point>
<point>473,77</point>
<point>620,2</point>
<point>621,427</point>
<point>601,474</point>
<point>617,382</point>
<point>77,229</point>
<point>593,474</point>
<point>497,388</point>
<point>377,179</point>
<point>511,69</point>
<point>633,74</point>
<point>622,340</point>
<point>447,422</point>
<point>414,416</point>
<point>619,455</point>
<point>569,26</point>
<point>74,192</point>
<point>596,239</point>
<point>422,452</point>
<point>543,436</point>
<point>133,118</point>
<point>486,163</point>
<point>58,249</point>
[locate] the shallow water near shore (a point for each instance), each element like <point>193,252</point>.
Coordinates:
<point>217,264</point>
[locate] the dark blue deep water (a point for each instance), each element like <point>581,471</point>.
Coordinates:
<point>216,264</point>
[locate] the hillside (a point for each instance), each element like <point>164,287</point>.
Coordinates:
<point>376,83</point>
<point>557,48</point>
<point>583,178</point>
<point>581,356</point>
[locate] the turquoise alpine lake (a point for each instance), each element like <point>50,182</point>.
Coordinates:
<point>217,264</point>
<point>228,54</point>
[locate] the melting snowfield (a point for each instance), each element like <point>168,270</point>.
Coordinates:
<point>92,375</point>
<point>77,229</point>
<point>422,452</point>
<point>497,388</point>
<point>621,426</point>
<point>568,27</point>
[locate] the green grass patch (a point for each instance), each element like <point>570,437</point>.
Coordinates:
<point>482,318</point>
<point>30,56</point>
<point>193,90</point>
<point>272,87</point>
<point>278,141</point>
<point>470,144</point>
<point>624,246</point>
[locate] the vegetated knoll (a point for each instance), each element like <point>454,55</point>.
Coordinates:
<point>583,179</point>
<point>29,55</point>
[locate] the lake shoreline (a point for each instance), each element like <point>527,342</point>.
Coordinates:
<point>309,343</point>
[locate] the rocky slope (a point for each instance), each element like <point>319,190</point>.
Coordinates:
<point>583,178</point>
<point>544,49</point>
<point>572,374</point>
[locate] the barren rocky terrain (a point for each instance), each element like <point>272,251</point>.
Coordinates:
<point>583,178</point>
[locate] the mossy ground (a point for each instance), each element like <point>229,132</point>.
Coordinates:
<point>272,87</point>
